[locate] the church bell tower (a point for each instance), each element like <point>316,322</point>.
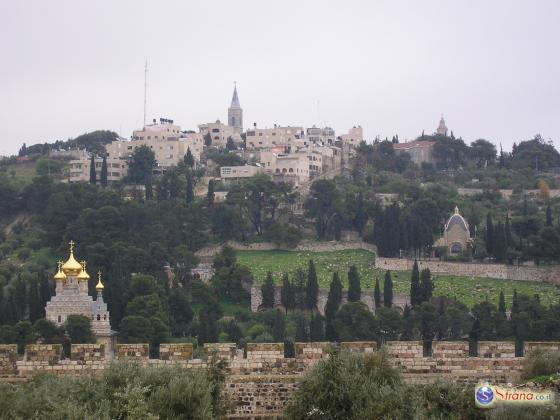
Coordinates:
<point>235,113</point>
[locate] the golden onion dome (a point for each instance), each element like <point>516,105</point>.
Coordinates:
<point>60,276</point>
<point>99,285</point>
<point>83,274</point>
<point>71,266</point>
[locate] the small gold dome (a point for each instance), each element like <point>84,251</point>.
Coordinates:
<point>71,266</point>
<point>83,274</point>
<point>99,285</point>
<point>60,276</point>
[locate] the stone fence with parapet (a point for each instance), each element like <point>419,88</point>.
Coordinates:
<point>261,380</point>
<point>550,274</point>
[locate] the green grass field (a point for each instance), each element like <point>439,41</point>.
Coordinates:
<point>466,289</point>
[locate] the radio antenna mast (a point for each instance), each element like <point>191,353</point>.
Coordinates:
<point>145,88</point>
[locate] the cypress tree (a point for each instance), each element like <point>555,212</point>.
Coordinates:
<point>377,294</point>
<point>388,290</point>
<point>103,179</point>
<point>316,329</point>
<point>499,243</point>
<point>360,219</point>
<point>210,194</point>
<point>489,235</point>
<point>502,303</point>
<point>287,296</point>
<point>92,174</point>
<point>426,285</point>
<point>354,288</point>
<point>301,329</point>
<point>35,308</point>
<point>267,291</point>
<point>548,215</point>
<point>149,189</point>
<point>333,303</point>
<point>415,298</point>
<point>408,325</point>
<point>190,191</point>
<point>312,287</point>
<point>44,290</point>
<point>279,327</point>
<point>203,327</point>
<point>509,242</point>
<point>337,220</point>
<point>189,159</point>
<point>514,303</point>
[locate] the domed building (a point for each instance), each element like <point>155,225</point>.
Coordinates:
<point>72,298</point>
<point>456,237</point>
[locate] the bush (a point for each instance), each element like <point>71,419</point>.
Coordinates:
<point>123,391</point>
<point>24,253</point>
<point>540,362</point>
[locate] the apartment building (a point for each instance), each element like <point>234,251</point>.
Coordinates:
<point>236,173</point>
<point>262,138</point>
<point>317,135</point>
<point>353,138</point>
<point>80,169</point>
<point>219,133</point>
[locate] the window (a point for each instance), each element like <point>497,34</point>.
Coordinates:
<point>98,317</point>
<point>59,319</point>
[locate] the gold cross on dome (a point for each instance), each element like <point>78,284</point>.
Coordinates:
<point>59,263</point>
<point>99,275</point>
<point>83,264</point>
<point>71,243</point>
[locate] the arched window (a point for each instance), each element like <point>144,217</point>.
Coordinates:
<point>104,317</point>
<point>277,170</point>
<point>283,170</point>
<point>291,170</point>
<point>98,317</point>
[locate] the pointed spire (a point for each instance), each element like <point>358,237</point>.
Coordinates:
<point>456,210</point>
<point>235,98</point>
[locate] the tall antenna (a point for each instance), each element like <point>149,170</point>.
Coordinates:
<point>145,88</point>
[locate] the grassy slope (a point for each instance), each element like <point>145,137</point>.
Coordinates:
<point>466,289</point>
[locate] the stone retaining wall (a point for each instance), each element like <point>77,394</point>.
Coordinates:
<point>549,274</point>
<point>261,382</point>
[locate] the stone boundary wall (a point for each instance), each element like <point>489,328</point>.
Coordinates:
<point>178,351</point>
<point>262,382</point>
<point>497,271</point>
<point>309,246</point>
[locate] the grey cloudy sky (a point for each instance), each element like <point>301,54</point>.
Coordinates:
<point>492,67</point>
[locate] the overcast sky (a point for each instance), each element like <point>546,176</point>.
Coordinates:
<point>491,67</point>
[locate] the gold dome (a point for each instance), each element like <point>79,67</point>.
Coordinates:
<point>99,286</point>
<point>71,266</point>
<point>83,274</point>
<point>60,276</point>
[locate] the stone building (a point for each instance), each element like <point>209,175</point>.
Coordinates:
<point>420,151</point>
<point>442,128</point>
<point>71,298</point>
<point>456,237</point>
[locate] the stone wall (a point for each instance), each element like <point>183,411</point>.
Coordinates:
<point>261,382</point>
<point>175,351</point>
<point>309,246</point>
<point>133,351</point>
<point>498,271</point>
<point>8,358</point>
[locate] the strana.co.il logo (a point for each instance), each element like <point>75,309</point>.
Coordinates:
<point>484,395</point>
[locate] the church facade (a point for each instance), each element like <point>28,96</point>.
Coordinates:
<point>456,238</point>
<point>72,298</point>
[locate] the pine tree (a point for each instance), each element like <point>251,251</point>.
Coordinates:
<point>354,288</point>
<point>548,215</point>
<point>103,179</point>
<point>301,329</point>
<point>279,327</point>
<point>287,293</point>
<point>415,293</point>
<point>190,191</point>
<point>489,235</point>
<point>92,173</point>
<point>312,287</point>
<point>377,294</point>
<point>426,285</point>
<point>210,194</point>
<point>188,159</point>
<point>502,303</point>
<point>388,290</point>
<point>267,291</point>
<point>316,328</point>
<point>333,303</point>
